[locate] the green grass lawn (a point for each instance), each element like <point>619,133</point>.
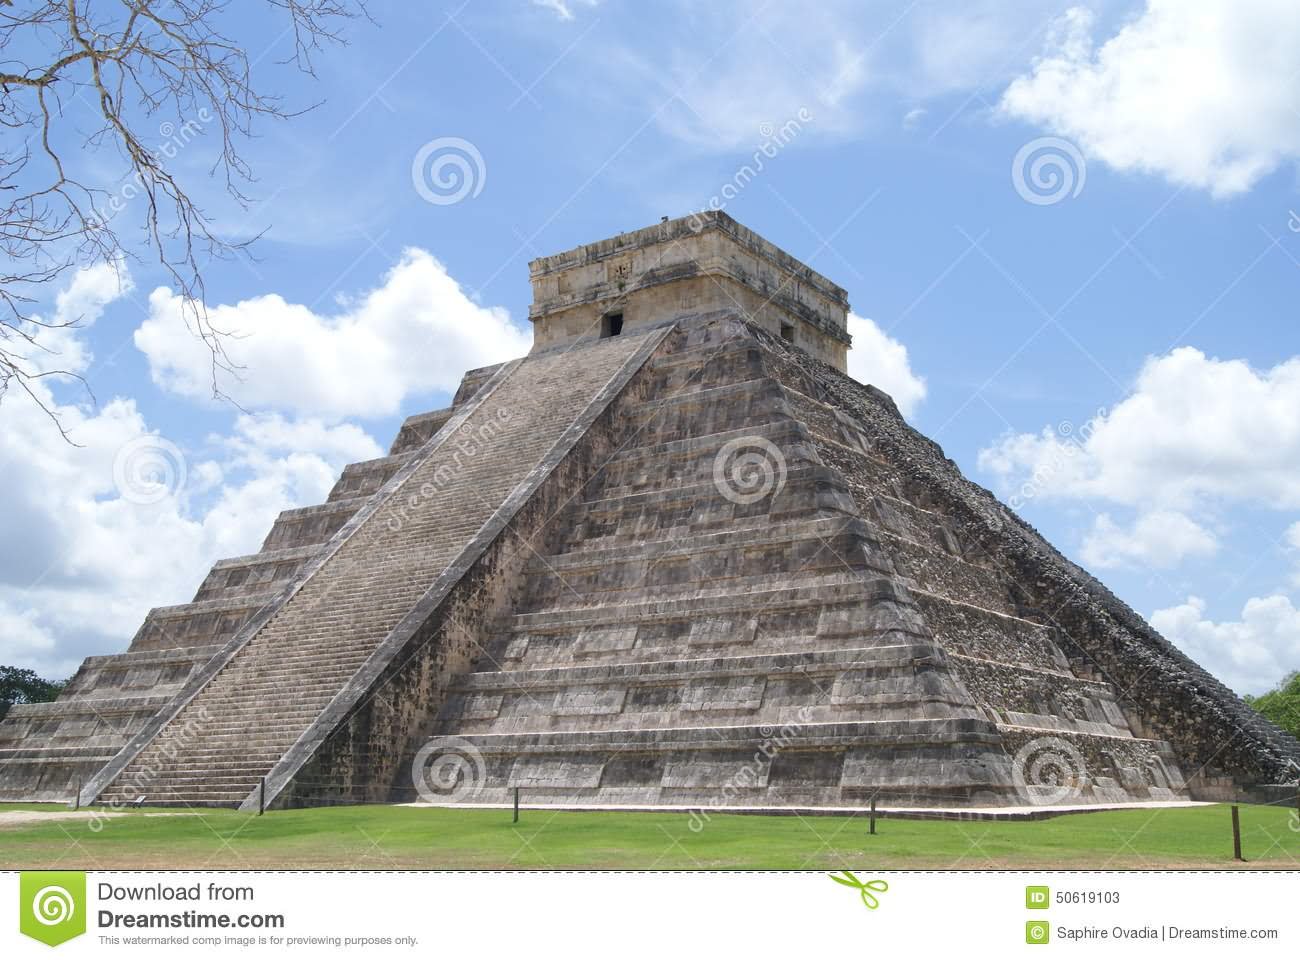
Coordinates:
<point>384,837</point>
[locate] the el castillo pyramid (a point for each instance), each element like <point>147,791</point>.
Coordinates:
<point>673,557</point>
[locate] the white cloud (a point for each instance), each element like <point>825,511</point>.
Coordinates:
<point>1250,655</point>
<point>25,641</point>
<point>1292,546</point>
<point>564,8</point>
<point>93,560</point>
<point>77,306</point>
<point>714,75</point>
<point>416,333</point>
<point>912,119</point>
<point>1196,435</point>
<point>717,76</point>
<point>1161,539</point>
<point>1193,428</point>
<point>1202,93</point>
<point>882,362</point>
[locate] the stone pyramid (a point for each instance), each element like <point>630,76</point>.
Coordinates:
<point>673,557</point>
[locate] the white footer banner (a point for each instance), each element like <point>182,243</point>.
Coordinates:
<point>630,915</point>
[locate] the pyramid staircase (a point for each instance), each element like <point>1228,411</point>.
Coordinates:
<point>49,750</point>
<point>394,545</point>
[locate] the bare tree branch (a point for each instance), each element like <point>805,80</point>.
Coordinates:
<point>126,63</point>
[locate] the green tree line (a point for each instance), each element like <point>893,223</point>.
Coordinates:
<point>1281,705</point>
<point>20,685</point>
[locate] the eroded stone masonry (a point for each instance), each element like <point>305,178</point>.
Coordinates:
<point>675,556</point>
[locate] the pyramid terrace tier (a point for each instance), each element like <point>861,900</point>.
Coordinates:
<point>48,749</point>
<point>908,763</point>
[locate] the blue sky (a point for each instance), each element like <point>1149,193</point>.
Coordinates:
<point>1117,350</point>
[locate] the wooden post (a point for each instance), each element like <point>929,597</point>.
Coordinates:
<point>516,820</point>
<point>261,796</point>
<point>1236,835</point>
<point>76,800</point>
<point>873,816</point>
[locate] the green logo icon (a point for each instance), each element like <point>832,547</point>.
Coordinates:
<point>52,906</point>
<point>867,890</point>
<point>1038,931</point>
<point>1037,898</point>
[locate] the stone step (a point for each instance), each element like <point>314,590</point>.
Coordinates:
<point>893,733</point>
<point>56,753</point>
<point>990,634</point>
<point>651,671</point>
<point>196,624</point>
<point>363,479</point>
<point>727,406</point>
<point>198,751</point>
<point>746,408</point>
<point>950,761</point>
<point>1108,767</point>
<point>677,588</point>
<point>897,682</point>
<point>381,566</point>
<point>146,658</point>
<point>946,761</point>
<point>418,430</point>
<point>705,367</point>
<point>308,526</point>
<point>953,577</point>
<point>213,778</point>
<point>648,574</point>
<point>809,491</point>
<point>703,459</point>
<point>592,555</point>
<point>281,677</point>
<point>164,797</point>
<point>930,530</point>
<point>266,572</point>
<point>647,449</point>
<point>806,598</point>
<point>91,707</point>
<point>1018,695</point>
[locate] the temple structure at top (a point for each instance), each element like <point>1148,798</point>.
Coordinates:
<point>680,268</point>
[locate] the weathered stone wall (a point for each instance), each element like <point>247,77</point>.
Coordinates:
<point>686,267</point>
<point>367,757</point>
<point>1165,694</point>
<point>684,646</point>
<point>49,749</point>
